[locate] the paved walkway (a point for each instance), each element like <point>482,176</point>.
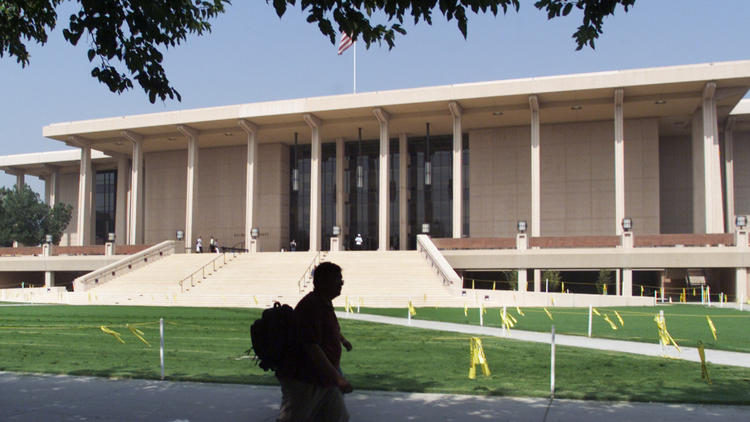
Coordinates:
<point>718,357</point>
<point>64,398</point>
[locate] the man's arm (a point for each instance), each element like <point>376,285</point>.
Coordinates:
<point>322,363</point>
<point>346,343</point>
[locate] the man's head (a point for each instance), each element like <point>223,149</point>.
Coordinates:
<point>327,279</point>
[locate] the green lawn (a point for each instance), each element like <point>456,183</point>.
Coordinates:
<point>207,344</point>
<point>686,323</point>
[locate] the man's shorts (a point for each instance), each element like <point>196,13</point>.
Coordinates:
<point>302,402</point>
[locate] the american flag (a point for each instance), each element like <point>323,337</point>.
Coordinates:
<point>346,42</point>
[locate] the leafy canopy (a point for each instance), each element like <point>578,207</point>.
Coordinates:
<point>25,218</point>
<point>134,33</point>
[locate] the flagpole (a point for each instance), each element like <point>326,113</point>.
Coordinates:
<point>355,67</point>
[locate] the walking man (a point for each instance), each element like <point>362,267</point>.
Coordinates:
<point>312,384</point>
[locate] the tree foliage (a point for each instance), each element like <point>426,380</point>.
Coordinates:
<point>554,279</point>
<point>134,33</point>
<point>25,218</point>
<point>605,277</point>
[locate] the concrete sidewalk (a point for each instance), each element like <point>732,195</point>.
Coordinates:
<point>65,398</point>
<point>718,357</point>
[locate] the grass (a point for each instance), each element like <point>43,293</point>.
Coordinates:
<point>207,344</point>
<point>686,323</point>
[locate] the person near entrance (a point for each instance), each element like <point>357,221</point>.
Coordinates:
<point>312,384</point>
<point>358,241</point>
<point>293,245</point>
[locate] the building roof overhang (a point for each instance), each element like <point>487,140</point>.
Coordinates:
<point>41,164</point>
<point>670,94</point>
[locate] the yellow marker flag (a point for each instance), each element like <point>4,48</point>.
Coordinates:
<point>595,311</point>
<point>256,299</point>
<point>711,326</point>
<point>604,290</point>
<point>704,368</point>
<point>472,284</point>
<point>466,310</point>
<point>520,312</point>
<point>512,318</point>
<point>412,311</point>
<point>552,299</point>
<point>493,285</point>
<point>619,318</point>
<point>562,289</point>
<point>138,333</point>
<point>114,334</point>
<point>693,291</point>
<point>548,314</point>
<point>611,324</point>
<point>641,290</point>
<point>484,310</point>
<point>477,358</point>
<point>507,320</point>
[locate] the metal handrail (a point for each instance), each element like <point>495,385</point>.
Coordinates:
<point>438,262</point>
<point>308,270</point>
<point>202,270</point>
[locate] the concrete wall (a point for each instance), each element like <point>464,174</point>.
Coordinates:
<point>741,151</point>
<point>577,178</point>
<point>676,184</point>
<point>67,192</point>
<point>221,195</point>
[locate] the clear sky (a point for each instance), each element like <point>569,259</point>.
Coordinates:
<point>252,55</point>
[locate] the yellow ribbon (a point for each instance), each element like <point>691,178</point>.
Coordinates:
<point>563,287</point>
<point>595,311</point>
<point>548,314</point>
<point>256,299</point>
<point>412,311</point>
<point>604,290</point>
<point>466,310</point>
<point>704,368</point>
<point>642,291</point>
<point>507,320</point>
<point>520,312</point>
<point>138,333</point>
<point>711,326</point>
<point>619,318</point>
<point>552,299</point>
<point>664,336</point>
<point>114,334</point>
<point>477,358</point>
<point>611,324</point>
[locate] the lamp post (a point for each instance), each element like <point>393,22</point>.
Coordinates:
<point>627,224</point>
<point>740,221</point>
<point>521,226</point>
<point>48,239</point>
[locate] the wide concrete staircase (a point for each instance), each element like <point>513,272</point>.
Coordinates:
<point>372,279</point>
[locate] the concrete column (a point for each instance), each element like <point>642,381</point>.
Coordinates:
<point>740,284</point>
<point>537,280</point>
<point>458,220</point>
<point>250,178</point>
<point>135,209</point>
<point>619,161</point>
<point>403,192</point>
<point>729,173</point>
<point>84,195</point>
<point>50,186</point>
<point>523,283</point>
<point>340,159</point>
<point>617,282</point>
<point>49,279</point>
<point>627,282</point>
<point>708,211</point>
<point>536,189</point>
<point>383,182</point>
<point>20,178</point>
<point>191,197</point>
<point>121,201</point>
<point>315,196</point>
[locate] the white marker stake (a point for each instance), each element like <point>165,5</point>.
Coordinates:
<point>708,295</point>
<point>408,314</point>
<point>359,302</point>
<point>161,348</point>
<point>546,285</point>
<point>661,342</point>
<point>590,312</point>
<point>552,366</point>
<point>481,317</point>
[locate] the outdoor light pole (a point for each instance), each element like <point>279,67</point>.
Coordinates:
<point>360,182</point>
<point>427,177</point>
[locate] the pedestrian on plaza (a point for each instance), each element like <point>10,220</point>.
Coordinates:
<point>358,241</point>
<point>312,383</point>
<point>293,245</point>
<point>199,245</point>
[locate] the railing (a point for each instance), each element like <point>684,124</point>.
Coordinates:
<point>72,250</point>
<point>438,262</point>
<point>124,266</point>
<point>571,242</point>
<point>308,272</point>
<point>202,270</point>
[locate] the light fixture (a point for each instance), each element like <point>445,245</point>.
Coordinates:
<point>228,134</point>
<point>336,230</point>
<point>111,237</point>
<point>48,238</point>
<point>295,171</point>
<point>118,142</point>
<point>427,163</point>
<point>180,234</point>
<point>576,107</point>
<point>425,228</point>
<point>660,102</point>
<point>171,138</point>
<point>627,224</point>
<point>360,169</point>
<point>497,113</point>
<point>254,232</point>
<point>521,226</point>
<point>740,221</point>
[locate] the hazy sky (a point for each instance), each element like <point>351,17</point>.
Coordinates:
<point>252,55</point>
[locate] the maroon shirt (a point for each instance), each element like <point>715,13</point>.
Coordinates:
<point>317,325</point>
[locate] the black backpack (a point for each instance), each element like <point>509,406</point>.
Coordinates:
<point>274,336</point>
